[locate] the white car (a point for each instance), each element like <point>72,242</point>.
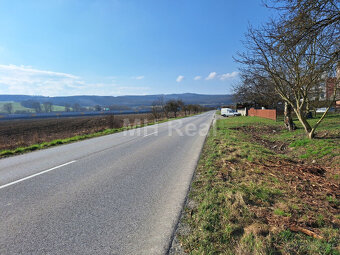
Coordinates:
<point>323,109</point>
<point>226,112</point>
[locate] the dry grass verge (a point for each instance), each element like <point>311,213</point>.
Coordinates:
<point>261,190</point>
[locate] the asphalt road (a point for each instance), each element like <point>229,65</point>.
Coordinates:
<point>116,194</point>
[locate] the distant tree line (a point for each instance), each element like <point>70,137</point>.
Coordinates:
<point>171,108</point>
<point>160,108</point>
<point>32,104</point>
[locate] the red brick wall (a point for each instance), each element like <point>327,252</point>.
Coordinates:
<point>337,104</point>
<point>330,85</point>
<point>268,114</point>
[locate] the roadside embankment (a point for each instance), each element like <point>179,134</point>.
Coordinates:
<point>260,189</point>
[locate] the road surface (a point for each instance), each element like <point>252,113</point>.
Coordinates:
<point>115,194</point>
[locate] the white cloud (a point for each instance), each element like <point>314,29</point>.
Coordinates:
<point>30,71</point>
<point>180,78</point>
<point>228,75</point>
<point>27,80</point>
<point>211,76</point>
<point>196,78</point>
<point>141,77</point>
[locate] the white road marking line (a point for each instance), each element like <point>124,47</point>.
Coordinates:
<point>34,175</point>
<point>151,134</point>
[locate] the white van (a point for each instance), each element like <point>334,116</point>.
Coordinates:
<point>226,112</point>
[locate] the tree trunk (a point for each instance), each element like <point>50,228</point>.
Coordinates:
<point>302,118</point>
<point>288,117</point>
<point>311,134</point>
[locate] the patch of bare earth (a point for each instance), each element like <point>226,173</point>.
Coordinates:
<point>310,192</point>
<point>256,135</point>
<point>305,191</point>
<point>21,133</point>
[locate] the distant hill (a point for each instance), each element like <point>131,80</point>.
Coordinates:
<point>129,101</point>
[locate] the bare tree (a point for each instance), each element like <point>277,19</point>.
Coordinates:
<point>8,107</point>
<point>32,104</point>
<point>314,23</point>
<point>325,16</point>
<point>186,110</point>
<point>288,120</point>
<point>67,107</point>
<point>47,106</point>
<point>192,108</point>
<point>161,102</point>
<point>258,91</point>
<point>181,105</point>
<point>76,107</point>
<point>294,66</point>
<point>173,106</point>
<point>156,110</point>
<point>255,90</point>
<point>36,106</point>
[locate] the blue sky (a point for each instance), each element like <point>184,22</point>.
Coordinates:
<point>122,47</point>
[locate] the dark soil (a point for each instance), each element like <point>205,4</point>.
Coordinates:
<point>21,133</point>
<point>256,136</point>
